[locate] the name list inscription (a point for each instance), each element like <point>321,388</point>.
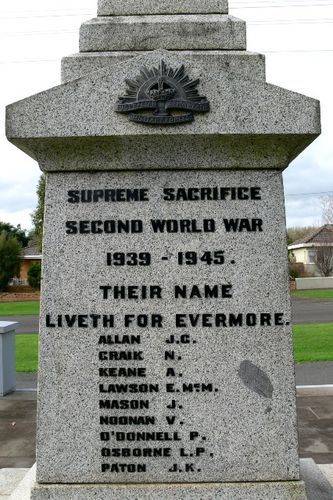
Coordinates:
<point>132,433</point>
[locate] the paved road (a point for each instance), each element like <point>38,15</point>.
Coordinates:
<point>312,310</point>
<point>28,324</point>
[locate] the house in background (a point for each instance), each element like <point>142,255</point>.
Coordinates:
<point>304,250</point>
<point>30,255</point>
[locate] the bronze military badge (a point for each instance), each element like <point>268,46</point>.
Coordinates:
<point>162,96</point>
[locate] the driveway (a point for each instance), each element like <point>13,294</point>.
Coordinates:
<point>311,310</point>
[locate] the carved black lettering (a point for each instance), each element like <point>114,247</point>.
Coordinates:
<point>119,339</point>
<point>128,388</point>
<point>240,225</point>
<point>127,420</point>
<point>147,436</point>
<point>143,320</point>
<point>73,196</point>
<point>211,193</point>
<point>183,226</point>
<point>124,404</point>
<point>71,227</point>
<point>126,372</point>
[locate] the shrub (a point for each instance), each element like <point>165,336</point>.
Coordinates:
<point>10,259</point>
<point>34,276</point>
<point>293,273</point>
<point>296,270</point>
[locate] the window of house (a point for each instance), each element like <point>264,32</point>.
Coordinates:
<point>312,256</point>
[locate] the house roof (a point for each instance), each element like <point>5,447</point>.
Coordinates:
<point>31,250</point>
<point>322,235</point>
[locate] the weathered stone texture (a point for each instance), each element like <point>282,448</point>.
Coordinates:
<point>182,32</point>
<point>235,63</point>
<point>134,7</point>
<point>241,491</point>
<point>242,401</point>
<point>240,131</point>
<point>253,437</point>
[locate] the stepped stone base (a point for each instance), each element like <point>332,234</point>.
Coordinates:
<point>314,486</point>
<point>294,490</point>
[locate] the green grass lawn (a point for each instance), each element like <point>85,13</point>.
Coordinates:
<point>313,294</point>
<point>311,343</point>
<point>26,353</point>
<point>19,308</point>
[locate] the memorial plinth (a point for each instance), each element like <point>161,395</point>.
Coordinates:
<point>166,364</point>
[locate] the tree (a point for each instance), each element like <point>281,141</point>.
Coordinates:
<point>16,232</point>
<point>324,260</point>
<point>296,233</point>
<point>38,215</point>
<point>34,276</point>
<point>327,209</point>
<point>10,261</point>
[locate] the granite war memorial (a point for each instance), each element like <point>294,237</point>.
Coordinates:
<point>166,365</point>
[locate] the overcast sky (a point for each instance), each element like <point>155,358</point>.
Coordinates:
<point>295,35</point>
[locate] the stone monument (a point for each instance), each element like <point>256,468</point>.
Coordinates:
<point>166,364</point>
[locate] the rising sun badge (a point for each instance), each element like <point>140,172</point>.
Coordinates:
<point>162,96</point>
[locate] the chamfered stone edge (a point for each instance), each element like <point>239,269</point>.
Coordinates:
<point>237,107</point>
<point>173,152</point>
<point>251,124</point>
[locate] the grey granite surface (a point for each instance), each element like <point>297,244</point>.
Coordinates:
<point>251,124</point>
<point>317,487</point>
<point>134,7</point>
<point>241,491</point>
<point>234,63</point>
<point>182,32</point>
<point>195,399</point>
<point>246,420</point>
